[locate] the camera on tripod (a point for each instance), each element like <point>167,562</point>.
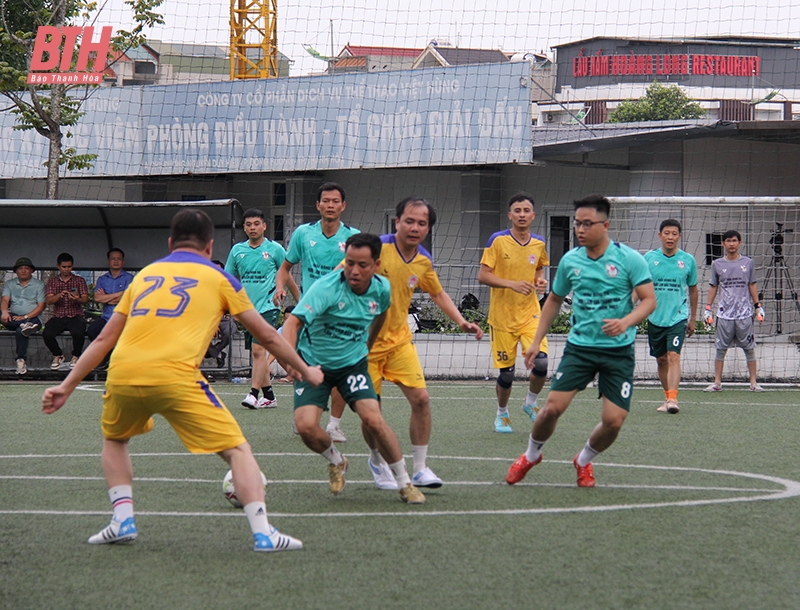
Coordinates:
<point>777,238</point>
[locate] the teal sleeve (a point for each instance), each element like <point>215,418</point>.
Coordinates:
<point>692,279</point>
<point>639,272</point>
<point>230,265</point>
<point>561,286</point>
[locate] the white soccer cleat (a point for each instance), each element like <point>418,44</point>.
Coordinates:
<point>22,368</point>
<point>266,403</point>
<point>116,532</point>
<point>426,478</point>
<point>250,402</point>
<point>337,436</point>
<point>276,542</point>
<point>382,475</point>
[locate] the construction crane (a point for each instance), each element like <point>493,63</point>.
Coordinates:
<point>254,39</point>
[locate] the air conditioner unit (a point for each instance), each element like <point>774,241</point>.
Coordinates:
<point>550,117</point>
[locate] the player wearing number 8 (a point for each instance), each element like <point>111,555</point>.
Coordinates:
<point>674,273</point>
<point>161,327</point>
<point>601,274</point>
<point>334,325</point>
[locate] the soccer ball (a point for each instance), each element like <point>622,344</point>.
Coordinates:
<point>230,492</point>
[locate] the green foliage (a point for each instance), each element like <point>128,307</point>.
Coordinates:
<point>660,103</point>
<point>434,320</point>
<point>561,325</point>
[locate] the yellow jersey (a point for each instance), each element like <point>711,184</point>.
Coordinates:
<point>511,260</point>
<point>173,307</point>
<point>405,276</point>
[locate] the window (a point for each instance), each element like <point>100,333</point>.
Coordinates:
<point>713,247</point>
<point>277,228</point>
<point>279,194</point>
<point>560,238</point>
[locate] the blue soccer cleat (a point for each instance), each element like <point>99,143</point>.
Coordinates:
<point>116,532</point>
<point>531,411</point>
<point>275,542</point>
<point>502,424</point>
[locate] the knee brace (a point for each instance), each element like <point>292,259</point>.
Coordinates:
<point>506,377</point>
<point>540,365</point>
<point>721,354</point>
<point>750,355</point>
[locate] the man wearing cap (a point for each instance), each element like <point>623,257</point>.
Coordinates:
<point>22,301</point>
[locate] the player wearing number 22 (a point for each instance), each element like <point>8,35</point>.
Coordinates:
<point>602,275</point>
<point>334,325</point>
<point>161,327</point>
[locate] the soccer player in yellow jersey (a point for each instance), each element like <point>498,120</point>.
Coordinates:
<point>161,327</point>
<point>408,266</point>
<point>513,265</point>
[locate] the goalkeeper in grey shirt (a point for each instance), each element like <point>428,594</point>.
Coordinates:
<point>734,278</point>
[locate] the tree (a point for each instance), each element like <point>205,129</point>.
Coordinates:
<point>48,109</point>
<point>660,103</point>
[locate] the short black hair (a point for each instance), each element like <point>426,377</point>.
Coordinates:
<point>330,186</point>
<point>108,254</point>
<point>598,202</point>
<point>414,201</point>
<point>254,213</point>
<point>521,196</point>
<point>64,257</point>
<point>191,228</point>
<point>670,222</point>
<point>731,233</point>
<point>365,240</point>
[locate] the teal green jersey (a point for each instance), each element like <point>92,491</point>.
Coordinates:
<point>336,320</point>
<point>256,269</point>
<point>319,254</point>
<point>672,276</point>
<point>601,290</point>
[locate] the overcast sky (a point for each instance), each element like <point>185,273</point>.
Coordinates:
<point>513,25</point>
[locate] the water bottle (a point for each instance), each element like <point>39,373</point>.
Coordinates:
<point>239,380</point>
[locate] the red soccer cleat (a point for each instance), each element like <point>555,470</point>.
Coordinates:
<point>520,468</point>
<point>585,473</point>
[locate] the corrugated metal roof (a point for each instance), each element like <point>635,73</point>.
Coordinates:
<point>381,51</point>
<point>460,57</point>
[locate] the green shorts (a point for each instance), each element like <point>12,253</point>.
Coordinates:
<point>271,318</point>
<point>666,339</point>
<point>614,367</point>
<point>353,383</point>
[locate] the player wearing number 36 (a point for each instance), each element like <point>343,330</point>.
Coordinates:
<point>161,328</point>
<point>602,275</point>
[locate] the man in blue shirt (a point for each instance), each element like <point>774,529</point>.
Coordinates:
<point>333,326</point>
<point>602,275</point>
<point>108,291</point>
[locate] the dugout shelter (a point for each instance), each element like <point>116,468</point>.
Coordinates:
<point>42,229</point>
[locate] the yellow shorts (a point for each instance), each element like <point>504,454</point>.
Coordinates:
<point>504,345</point>
<point>197,415</point>
<point>401,365</point>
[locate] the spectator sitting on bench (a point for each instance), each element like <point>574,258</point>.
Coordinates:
<point>69,293</point>
<point>108,291</point>
<point>22,302</point>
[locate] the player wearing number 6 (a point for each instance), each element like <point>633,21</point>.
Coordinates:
<point>601,274</point>
<point>161,327</point>
<point>333,326</point>
<point>674,272</point>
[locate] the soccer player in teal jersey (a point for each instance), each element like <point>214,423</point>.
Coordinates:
<point>674,273</point>
<point>334,325</point>
<point>255,263</point>
<point>320,247</point>
<point>602,275</point>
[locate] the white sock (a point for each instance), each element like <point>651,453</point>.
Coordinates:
<point>534,449</point>
<point>334,422</point>
<point>586,455</point>
<point>530,399</point>
<point>376,457</point>
<point>121,498</point>
<point>502,411</point>
<point>332,455</point>
<point>400,473</point>
<point>257,517</point>
<point>420,453</point>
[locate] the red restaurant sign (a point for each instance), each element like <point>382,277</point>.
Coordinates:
<point>623,65</point>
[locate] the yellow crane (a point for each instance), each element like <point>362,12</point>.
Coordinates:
<point>254,39</point>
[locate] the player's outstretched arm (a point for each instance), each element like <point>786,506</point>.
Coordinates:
<point>55,397</point>
<point>549,313</point>
<point>277,345</point>
<point>445,303</point>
